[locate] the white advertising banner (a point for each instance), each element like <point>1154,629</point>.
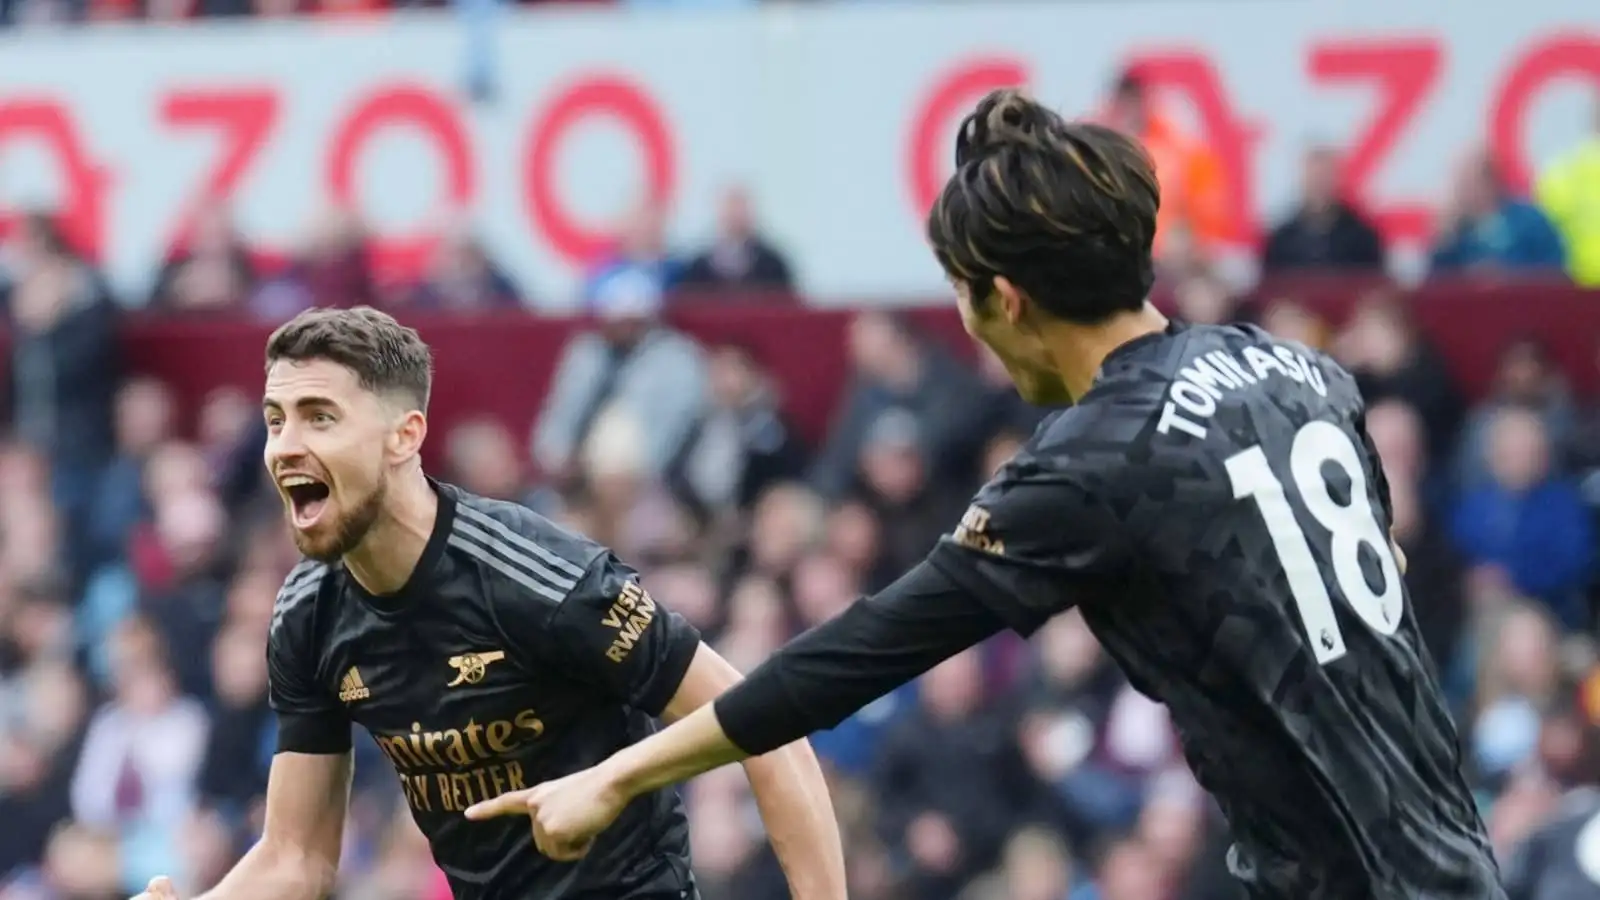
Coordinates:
<point>839,118</point>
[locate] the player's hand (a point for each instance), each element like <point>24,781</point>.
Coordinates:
<point>567,813</point>
<point>159,888</point>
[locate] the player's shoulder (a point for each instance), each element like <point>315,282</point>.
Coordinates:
<point>1212,356</point>
<point>1158,400</point>
<point>296,602</point>
<point>519,547</point>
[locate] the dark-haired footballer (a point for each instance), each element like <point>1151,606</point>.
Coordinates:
<point>1211,503</point>
<point>484,648</point>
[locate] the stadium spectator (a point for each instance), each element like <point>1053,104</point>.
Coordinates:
<point>482,456</point>
<point>893,368</point>
<point>895,480</point>
<point>823,586</point>
<point>1582,452</point>
<point>462,278</point>
<point>756,621</point>
<point>740,257</point>
<point>1569,191</point>
<point>1525,376</point>
<point>226,419</point>
<point>1323,232</point>
<point>640,267</point>
<point>1066,701</point>
<point>234,771</point>
<point>1483,227</point>
<point>1036,865</point>
<point>1528,526</point>
<point>37,13</point>
<point>950,782</point>
<point>632,361</point>
<point>1518,681</point>
<point>1391,358</point>
<point>1205,299</point>
<point>1128,871</point>
<point>785,525</point>
<point>690,590</point>
<point>141,756</point>
<point>742,442</point>
<point>331,268</point>
<point>44,707</point>
<point>185,605</point>
<point>211,269</point>
<point>63,361</point>
<point>1194,186</point>
<point>1292,320</point>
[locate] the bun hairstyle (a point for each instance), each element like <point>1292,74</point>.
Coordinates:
<point>1004,118</point>
<point>1064,210</point>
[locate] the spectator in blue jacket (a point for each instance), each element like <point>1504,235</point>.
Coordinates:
<point>1484,226</point>
<point>1529,528</point>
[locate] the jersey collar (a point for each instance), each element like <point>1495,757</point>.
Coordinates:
<point>1127,351</point>
<point>416,587</point>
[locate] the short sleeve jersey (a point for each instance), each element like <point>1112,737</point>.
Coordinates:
<point>1215,509</point>
<point>517,653</point>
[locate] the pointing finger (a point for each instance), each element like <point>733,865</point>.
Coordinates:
<point>514,803</point>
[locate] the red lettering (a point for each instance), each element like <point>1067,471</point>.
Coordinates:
<point>594,95</point>
<point>928,157</point>
<point>1563,56</point>
<point>419,108</point>
<point>1404,72</point>
<point>81,211</point>
<point>244,117</point>
<point>1229,136</point>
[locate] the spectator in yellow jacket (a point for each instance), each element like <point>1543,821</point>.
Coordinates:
<point>1569,191</point>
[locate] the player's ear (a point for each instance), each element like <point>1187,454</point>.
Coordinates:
<point>405,441</point>
<point>1009,300</point>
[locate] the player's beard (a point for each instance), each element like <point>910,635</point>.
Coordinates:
<point>348,530</point>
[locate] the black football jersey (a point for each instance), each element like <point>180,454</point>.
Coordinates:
<point>1214,507</point>
<point>518,652</point>
<point>1560,861</point>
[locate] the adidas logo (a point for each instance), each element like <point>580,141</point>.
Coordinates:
<point>350,687</point>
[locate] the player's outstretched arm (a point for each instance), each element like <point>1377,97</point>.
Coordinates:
<point>789,789</point>
<point>297,857</point>
<point>815,682</point>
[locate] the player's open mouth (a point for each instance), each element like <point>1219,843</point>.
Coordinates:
<point>308,497</point>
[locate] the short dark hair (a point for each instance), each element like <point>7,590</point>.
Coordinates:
<point>1065,210</point>
<point>386,357</point>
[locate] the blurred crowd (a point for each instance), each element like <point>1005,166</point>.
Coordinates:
<point>139,559</point>
<point>138,568</point>
<point>216,269</point>
<point>55,12</point>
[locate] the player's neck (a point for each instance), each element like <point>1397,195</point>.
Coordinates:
<point>1081,351</point>
<point>384,560</point>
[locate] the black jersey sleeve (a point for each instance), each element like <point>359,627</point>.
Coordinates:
<point>613,634</point>
<point>1033,543</point>
<point>878,644</point>
<point>310,718</point>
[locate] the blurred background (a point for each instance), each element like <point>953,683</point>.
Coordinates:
<point>670,255</point>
